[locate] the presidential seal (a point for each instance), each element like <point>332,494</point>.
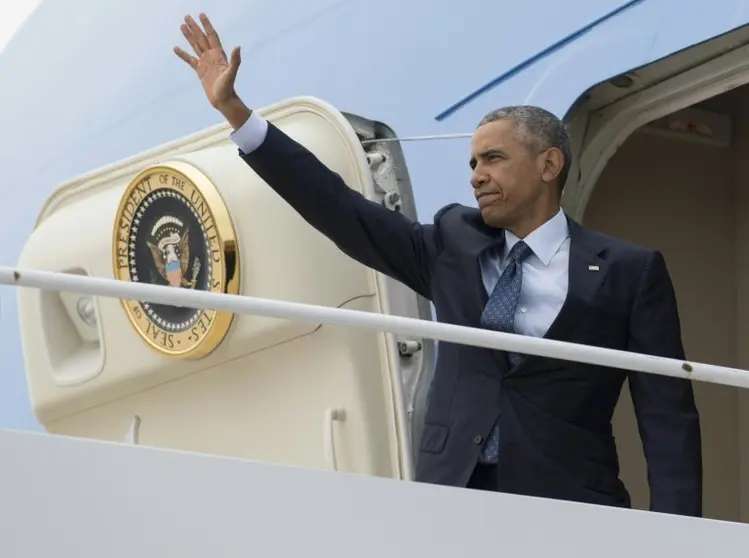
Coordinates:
<point>172,228</point>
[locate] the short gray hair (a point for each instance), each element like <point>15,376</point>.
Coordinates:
<point>538,129</point>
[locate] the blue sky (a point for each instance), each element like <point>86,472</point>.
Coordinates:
<point>79,92</point>
<point>15,411</point>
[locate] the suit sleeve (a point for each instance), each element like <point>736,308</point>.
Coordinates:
<point>666,413</point>
<point>377,237</point>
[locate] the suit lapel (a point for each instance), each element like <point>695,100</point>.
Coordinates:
<point>588,268</point>
<point>480,237</point>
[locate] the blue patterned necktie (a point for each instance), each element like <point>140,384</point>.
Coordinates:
<point>499,314</point>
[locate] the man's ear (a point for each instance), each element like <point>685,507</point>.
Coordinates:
<point>552,163</point>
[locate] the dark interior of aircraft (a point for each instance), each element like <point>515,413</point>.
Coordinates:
<point>689,198</point>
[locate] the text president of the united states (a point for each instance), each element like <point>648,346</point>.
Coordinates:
<point>501,421</point>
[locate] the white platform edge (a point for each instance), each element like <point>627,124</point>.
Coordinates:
<point>72,497</point>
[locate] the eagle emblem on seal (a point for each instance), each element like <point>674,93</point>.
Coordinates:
<point>170,249</point>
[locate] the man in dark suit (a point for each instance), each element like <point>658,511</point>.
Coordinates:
<point>496,421</point>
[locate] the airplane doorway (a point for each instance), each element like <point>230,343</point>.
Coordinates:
<point>690,200</point>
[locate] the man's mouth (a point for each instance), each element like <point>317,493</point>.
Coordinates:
<point>487,198</point>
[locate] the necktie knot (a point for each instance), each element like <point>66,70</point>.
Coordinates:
<point>519,252</point>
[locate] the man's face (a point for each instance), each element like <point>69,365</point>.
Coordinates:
<point>507,179</point>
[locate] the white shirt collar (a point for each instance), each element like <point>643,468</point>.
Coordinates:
<point>545,241</point>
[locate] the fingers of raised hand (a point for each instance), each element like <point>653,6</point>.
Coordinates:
<point>195,36</point>
<point>211,34</point>
<point>190,60</point>
<point>191,39</point>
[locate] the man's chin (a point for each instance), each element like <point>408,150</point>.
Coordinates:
<point>492,217</point>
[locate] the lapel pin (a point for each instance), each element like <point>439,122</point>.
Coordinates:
<point>593,268</point>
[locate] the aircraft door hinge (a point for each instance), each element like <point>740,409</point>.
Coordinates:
<point>408,348</point>
<point>384,180</point>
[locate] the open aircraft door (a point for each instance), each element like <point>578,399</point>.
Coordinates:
<point>607,113</point>
<point>659,160</point>
<point>192,214</point>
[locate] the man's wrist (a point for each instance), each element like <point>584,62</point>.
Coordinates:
<point>234,111</point>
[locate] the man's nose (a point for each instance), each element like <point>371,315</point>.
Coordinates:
<point>478,179</point>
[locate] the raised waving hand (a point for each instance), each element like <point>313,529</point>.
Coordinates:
<point>216,72</point>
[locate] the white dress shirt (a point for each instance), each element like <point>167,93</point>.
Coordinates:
<point>545,272</point>
<point>251,135</point>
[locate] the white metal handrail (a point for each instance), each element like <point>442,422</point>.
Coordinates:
<point>113,288</point>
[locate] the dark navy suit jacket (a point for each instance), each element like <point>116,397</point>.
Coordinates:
<point>556,435</point>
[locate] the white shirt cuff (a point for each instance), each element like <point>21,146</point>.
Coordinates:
<point>251,135</point>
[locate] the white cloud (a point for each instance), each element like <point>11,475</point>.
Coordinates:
<point>12,15</point>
